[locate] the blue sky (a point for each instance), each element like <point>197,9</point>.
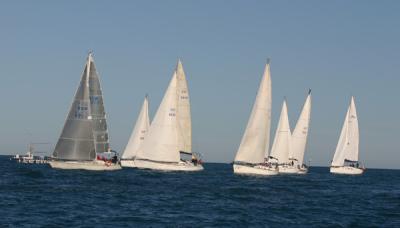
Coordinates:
<point>337,48</point>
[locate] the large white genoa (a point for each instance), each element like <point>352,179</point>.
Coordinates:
<point>255,170</point>
<point>164,166</point>
<point>346,170</point>
<point>85,165</point>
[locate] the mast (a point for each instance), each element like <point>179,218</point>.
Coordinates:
<point>90,117</point>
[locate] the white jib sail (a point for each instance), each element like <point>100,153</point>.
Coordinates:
<point>183,111</point>
<point>347,147</point>
<point>161,142</point>
<point>255,141</point>
<point>139,132</point>
<point>300,133</point>
<point>281,149</point>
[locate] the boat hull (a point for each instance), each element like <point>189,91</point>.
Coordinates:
<point>180,166</point>
<point>347,170</point>
<point>85,165</point>
<point>128,163</point>
<point>255,170</point>
<point>303,170</point>
<point>288,169</point>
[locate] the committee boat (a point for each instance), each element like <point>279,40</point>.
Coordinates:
<point>84,142</point>
<point>137,137</point>
<point>299,136</point>
<point>167,145</point>
<point>253,149</point>
<point>30,157</point>
<point>345,160</point>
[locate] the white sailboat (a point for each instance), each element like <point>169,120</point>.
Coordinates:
<point>137,137</point>
<point>84,142</point>
<point>281,152</point>
<point>299,136</point>
<point>169,135</point>
<point>250,157</point>
<point>345,160</point>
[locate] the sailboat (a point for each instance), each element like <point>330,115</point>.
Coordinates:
<point>281,152</point>
<point>84,142</point>
<point>253,149</point>
<point>345,160</point>
<point>138,134</point>
<point>299,136</point>
<point>169,138</point>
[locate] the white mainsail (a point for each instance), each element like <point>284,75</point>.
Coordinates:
<point>161,142</point>
<point>300,132</point>
<point>281,148</point>
<point>255,141</point>
<point>347,147</point>
<point>139,132</point>
<point>183,111</point>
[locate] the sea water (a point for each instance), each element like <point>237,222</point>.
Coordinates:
<point>38,196</point>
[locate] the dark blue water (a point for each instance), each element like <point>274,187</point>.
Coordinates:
<point>38,196</point>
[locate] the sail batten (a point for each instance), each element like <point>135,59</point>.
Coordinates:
<point>255,141</point>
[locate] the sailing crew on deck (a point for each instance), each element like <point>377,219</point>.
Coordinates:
<point>194,159</point>
<point>114,159</point>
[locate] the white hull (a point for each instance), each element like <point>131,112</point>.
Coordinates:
<point>256,170</point>
<point>180,166</point>
<point>347,170</point>
<point>128,163</point>
<point>85,165</point>
<point>303,170</point>
<point>33,161</point>
<point>288,169</point>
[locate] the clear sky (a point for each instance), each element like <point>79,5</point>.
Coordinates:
<point>337,48</point>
